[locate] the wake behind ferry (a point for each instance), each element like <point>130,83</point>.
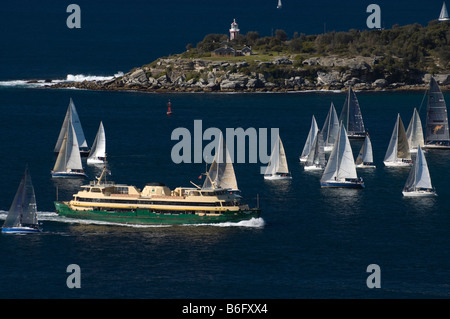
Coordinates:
<point>156,204</point>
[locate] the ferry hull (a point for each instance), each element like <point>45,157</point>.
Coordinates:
<point>143,216</point>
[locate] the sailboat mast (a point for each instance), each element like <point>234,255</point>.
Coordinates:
<point>348,108</point>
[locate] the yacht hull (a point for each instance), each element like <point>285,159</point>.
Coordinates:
<point>342,184</point>
<point>419,194</point>
<point>68,175</point>
<point>20,230</point>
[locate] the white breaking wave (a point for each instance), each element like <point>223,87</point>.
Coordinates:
<point>69,79</point>
<point>253,223</point>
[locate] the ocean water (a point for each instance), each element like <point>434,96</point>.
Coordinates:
<point>309,242</point>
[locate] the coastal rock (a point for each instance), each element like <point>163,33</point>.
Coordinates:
<point>441,79</point>
<point>357,63</point>
<point>282,60</point>
<point>137,77</point>
<point>330,78</point>
<point>380,83</point>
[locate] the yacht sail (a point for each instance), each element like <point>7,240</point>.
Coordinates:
<point>419,181</point>
<point>436,132</point>
<point>316,158</point>
<point>414,133</point>
<point>68,163</point>
<point>72,115</point>
<point>97,155</point>
<point>398,153</point>
<point>309,140</point>
<point>22,215</point>
<point>365,156</point>
<point>279,5</point>
<point>341,170</point>
<point>351,116</point>
<point>444,14</point>
<point>277,168</point>
<point>330,129</point>
<point>221,172</point>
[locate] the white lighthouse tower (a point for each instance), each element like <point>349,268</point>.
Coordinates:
<point>234,30</point>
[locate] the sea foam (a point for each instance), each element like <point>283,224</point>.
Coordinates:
<point>34,83</point>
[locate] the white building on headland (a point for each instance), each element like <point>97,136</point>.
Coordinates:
<point>234,30</point>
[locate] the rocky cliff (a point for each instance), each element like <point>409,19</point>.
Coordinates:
<point>283,73</point>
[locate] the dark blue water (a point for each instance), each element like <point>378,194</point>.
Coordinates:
<point>310,242</point>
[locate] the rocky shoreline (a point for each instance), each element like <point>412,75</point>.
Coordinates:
<point>281,74</point>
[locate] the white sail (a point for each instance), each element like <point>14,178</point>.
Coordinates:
<point>309,140</point>
<point>221,173</point>
<point>414,133</point>
<point>69,155</point>
<point>330,128</point>
<point>279,5</point>
<point>316,158</point>
<point>419,181</point>
<point>444,14</point>
<point>277,167</point>
<point>60,164</point>
<point>98,150</point>
<point>282,163</point>
<point>365,156</point>
<point>341,164</point>
<point>73,151</point>
<point>71,115</point>
<point>398,153</point>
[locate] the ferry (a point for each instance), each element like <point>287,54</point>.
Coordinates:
<point>103,200</point>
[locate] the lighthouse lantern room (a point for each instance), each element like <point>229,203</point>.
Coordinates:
<point>234,30</point>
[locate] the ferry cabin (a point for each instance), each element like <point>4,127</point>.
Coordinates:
<point>156,198</point>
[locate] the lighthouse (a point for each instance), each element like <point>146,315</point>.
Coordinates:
<point>234,30</point>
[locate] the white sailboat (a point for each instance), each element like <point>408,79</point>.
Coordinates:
<point>444,14</point>
<point>414,133</point>
<point>341,170</point>
<point>330,129</point>
<point>365,156</point>
<point>316,158</point>
<point>221,172</point>
<point>277,168</point>
<point>72,115</point>
<point>398,153</point>
<point>22,215</point>
<point>309,140</point>
<point>279,5</point>
<point>68,163</point>
<point>97,155</point>
<point>419,181</point>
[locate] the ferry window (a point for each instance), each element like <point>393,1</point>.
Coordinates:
<point>95,190</point>
<point>121,190</point>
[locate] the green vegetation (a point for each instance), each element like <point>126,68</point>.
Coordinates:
<point>407,48</point>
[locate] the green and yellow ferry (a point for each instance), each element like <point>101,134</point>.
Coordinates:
<point>103,200</point>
